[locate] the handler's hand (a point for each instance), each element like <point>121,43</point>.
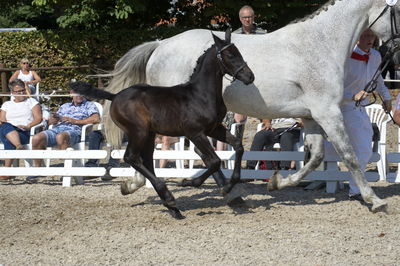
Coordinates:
<point>361,95</point>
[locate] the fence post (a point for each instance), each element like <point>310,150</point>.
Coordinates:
<point>3,83</point>
<point>100,83</point>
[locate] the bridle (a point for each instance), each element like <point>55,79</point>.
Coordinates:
<point>224,68</point>
<point>372,84</point>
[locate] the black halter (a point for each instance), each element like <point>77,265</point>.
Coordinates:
<point>372,84</point>
<point>224,68</point>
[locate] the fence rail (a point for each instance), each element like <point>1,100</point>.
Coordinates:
<point>331,175</point>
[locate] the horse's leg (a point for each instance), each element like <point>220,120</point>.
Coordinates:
<point>138,180</point>
<point>218,176</point>
<point>132,157</point>
<point>209,157</point>
<point>222,134</point>
<point>334,127</point>
<point>315,145</point>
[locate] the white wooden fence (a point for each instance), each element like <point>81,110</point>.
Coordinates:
<point>331,175</point>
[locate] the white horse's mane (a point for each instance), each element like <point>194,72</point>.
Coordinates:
<point>317,12</point>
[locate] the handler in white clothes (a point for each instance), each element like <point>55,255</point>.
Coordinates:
<point>359,70</point>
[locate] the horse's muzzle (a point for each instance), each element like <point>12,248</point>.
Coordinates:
<point>246,76</point>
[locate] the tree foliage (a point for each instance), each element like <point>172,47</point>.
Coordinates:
<point>134,14</point>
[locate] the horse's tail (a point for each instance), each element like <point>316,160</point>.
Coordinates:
<point>91,91</point>
<point>129,70</point>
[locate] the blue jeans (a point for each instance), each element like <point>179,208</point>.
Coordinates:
<point>6,128</point>
<point>95,139</point>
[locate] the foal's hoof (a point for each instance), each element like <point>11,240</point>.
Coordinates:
<point>186,183</point>
<point>380,207</point>
<point>226,189</point>
<point>176,213</point>
<point>237,202</point>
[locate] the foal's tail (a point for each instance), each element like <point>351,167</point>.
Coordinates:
<point>129,70</point>
<point>91,91</point>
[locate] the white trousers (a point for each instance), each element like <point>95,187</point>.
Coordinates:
<point>359,128</point>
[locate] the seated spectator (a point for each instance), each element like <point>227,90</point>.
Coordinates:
<point>30,77</point>
<point>286,131</point>
<point>68,122</point>
<point>17,116</point>
<point>96,138</point>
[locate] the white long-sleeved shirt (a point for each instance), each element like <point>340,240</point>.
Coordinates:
<point>358,74</point>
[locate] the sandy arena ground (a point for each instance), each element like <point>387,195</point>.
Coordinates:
<point>93,224</point>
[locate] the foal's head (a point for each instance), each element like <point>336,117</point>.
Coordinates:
<point>231,61</point>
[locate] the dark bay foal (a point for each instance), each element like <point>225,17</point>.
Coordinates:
<point>194,109</point>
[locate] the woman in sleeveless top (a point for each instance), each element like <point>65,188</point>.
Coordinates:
<point>30,77</point>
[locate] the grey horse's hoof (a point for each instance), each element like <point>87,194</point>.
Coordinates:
<point>273,183</point>
<point>381,207</point>
<point>131,185</point>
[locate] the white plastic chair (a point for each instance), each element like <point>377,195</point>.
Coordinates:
<point>378,116</point>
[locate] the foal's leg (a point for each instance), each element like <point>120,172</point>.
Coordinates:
<point>218,176</point>
<point>209,157</point>
<point>132,157</point>
<point>222,134</point>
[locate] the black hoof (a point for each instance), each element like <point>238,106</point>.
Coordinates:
<point>186,183</point>
<point>237,202</point>
<point>226,189</point>
<point>176,213</point>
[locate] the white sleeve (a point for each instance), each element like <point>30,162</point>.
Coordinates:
<point>381,87</point>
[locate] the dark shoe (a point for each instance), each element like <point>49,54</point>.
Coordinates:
<point>31,179</point>
<point>357,197</point>
<point>107,176</point>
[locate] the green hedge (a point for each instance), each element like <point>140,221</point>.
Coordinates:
<point>71,48</point>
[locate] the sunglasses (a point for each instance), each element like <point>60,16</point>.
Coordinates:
<point>19,91</point>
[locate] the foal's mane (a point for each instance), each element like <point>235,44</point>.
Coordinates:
<point>200,61</point>
<point>317,12</point>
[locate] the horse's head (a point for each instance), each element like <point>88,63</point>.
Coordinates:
<point>231,60</point>
<point>384,18</point>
